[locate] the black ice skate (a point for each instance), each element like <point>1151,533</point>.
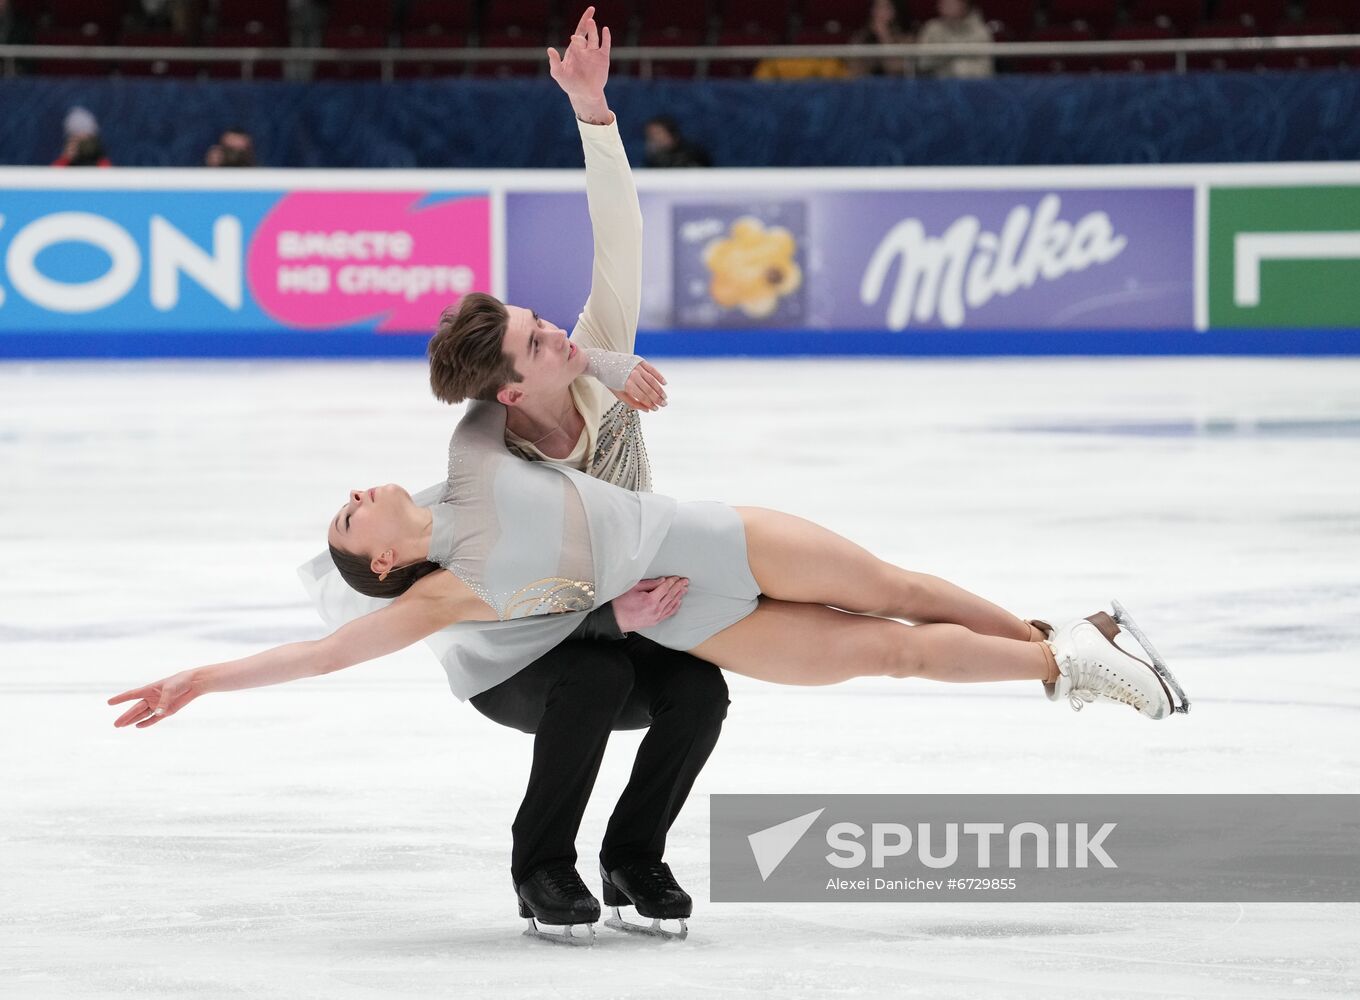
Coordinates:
<point>650,886</point>
<point>555,896</point>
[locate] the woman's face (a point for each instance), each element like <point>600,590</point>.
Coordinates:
<point>371,520</point>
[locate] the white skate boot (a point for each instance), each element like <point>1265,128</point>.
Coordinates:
<point>1091,666</point>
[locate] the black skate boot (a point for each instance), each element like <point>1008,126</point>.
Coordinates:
<point>650,886</point>
<point>555,896</point>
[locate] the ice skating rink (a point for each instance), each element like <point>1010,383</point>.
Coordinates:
<point>348,836</point>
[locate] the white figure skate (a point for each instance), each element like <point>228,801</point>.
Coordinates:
<point>1091,666</point>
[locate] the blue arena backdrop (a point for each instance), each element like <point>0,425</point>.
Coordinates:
<point>1009,261</point>
<point>484,123</point>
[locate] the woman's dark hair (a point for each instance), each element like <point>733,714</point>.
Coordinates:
<point>358,573</point>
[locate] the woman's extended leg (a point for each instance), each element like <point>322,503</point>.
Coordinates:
<point>789,643</point>
<point>794,559</point>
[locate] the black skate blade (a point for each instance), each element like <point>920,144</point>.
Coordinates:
<point>1125,620</point>
<point>564,936</point>
<point>652,930</point>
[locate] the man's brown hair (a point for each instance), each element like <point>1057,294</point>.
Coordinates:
<point>467,351</point>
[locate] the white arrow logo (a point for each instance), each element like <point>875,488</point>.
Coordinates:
<point>772,845</point>
<point>1250,249</point>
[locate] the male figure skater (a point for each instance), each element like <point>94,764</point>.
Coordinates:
<point>599,679</point>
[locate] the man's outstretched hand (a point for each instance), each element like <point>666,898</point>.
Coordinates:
<point>583,71</point>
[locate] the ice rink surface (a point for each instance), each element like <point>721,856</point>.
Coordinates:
<point>348,836</point>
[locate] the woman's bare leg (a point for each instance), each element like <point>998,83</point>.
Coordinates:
<point>788,643</point>
<point>794,559</point>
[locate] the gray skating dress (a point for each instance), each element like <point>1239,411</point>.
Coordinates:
<point>543,544</point>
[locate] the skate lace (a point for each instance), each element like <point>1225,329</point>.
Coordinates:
<point>657,877</point>
<point>565,879</point>
<point>1095,683</point>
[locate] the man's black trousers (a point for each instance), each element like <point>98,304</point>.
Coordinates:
<point>571,699</point>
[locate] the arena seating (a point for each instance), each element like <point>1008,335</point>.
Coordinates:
<point>755,18</point>
<point>1076,31</point>
<point>457,24</point>
<point>455,17</point>
<point>1161,28</point>
<point>431,36</point>
<point>266,15</point>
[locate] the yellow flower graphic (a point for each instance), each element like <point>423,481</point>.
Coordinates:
<point>753,267</point>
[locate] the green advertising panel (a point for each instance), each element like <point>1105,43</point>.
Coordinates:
<point>1284,256</point>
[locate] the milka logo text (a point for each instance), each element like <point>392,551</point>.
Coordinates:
<point>966,268</point>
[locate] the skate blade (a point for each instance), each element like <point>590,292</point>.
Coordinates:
<point>1125,621</point>
<point>564,936</point>
<point>654,929</point>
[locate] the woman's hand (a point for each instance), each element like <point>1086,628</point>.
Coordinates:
<point>649,602</point>
<point>644,390</point>
<point>157,701</point>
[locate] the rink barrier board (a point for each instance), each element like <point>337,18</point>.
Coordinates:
<point>1290,342</point>
<point>1147,259</point>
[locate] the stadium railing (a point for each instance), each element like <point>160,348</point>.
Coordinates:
<point>1181,49</point>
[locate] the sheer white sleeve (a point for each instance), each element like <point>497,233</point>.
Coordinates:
<point>610,368</point>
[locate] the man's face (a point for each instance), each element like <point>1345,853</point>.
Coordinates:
<point>953,9</point>
<point>658,137</point>
<point>238,150</point>
<point>543,355</point>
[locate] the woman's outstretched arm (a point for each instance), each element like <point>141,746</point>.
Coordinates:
<point>436,601</point>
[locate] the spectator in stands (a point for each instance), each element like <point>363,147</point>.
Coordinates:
<point>884,27</point>
<point>959,22</point>
<point>667,147</point>
<point>11,25</point>
<point>234,148</point>
<point>83,148</point>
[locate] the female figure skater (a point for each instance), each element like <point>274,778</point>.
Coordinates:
<point>516,553</point>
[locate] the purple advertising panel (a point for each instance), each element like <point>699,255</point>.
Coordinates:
<point>959,260</point>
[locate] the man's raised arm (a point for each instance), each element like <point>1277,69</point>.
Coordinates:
<point>610,317</point>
